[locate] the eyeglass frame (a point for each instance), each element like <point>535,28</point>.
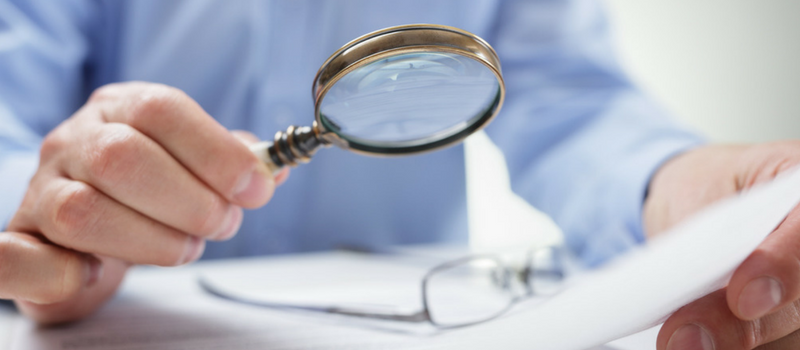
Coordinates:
<point>424,315</point>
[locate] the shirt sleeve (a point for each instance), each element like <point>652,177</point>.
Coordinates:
<point>581,142</point>
<point>43,55</point>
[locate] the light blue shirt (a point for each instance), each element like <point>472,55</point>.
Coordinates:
<point>581,142</point>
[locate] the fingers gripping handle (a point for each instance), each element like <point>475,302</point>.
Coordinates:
<point>291,147</point>
<point>261,150</point>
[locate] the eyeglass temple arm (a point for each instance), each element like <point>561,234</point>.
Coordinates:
<point>378,314</point>
<point>362,312</point>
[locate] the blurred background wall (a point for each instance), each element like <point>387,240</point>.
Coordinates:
<point>728,68</point>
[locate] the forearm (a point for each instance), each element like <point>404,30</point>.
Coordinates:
<point>581,141</point>
<point>691,181</point>
<point>592,177</point>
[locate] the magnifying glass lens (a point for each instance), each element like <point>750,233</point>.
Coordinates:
<point>409,99</point>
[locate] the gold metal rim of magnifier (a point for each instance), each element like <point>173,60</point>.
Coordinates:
<point>375,46</point>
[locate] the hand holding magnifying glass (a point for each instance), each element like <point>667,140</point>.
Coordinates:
<point>128,177</point>
<point>396,91</point>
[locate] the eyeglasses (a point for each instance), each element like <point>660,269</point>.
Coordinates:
<point>456,293</point>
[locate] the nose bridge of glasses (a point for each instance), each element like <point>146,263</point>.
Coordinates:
<point>510,280</point>
<point>529,275</point>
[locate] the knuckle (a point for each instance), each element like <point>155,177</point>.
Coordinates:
<point>793,310</point>
<point>104,93</point>
<point>52,144</point>
<point>74,211</point>
<point>111,156</point>
<point>153,104</point>
<point>751,333</point>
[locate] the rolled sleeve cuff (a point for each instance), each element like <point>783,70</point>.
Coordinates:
<point>626,194</point>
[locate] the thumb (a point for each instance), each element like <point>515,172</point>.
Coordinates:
<point>249,138</point>
<point>83,303</point>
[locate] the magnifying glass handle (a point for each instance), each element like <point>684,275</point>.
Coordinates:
<point>261,150</point>
<point>291,147</point>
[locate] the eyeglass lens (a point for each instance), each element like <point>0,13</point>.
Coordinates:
<point>469,292</point>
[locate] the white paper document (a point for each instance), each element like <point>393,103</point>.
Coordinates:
<point>165,309</point>
<point>643,288</point>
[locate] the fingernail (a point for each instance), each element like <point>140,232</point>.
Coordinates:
<point>194,249</point>
<point>233,220</point>
<point>94,270</point>
<point>690,337</point>
<point>253,187</point>
<point>759,297</point>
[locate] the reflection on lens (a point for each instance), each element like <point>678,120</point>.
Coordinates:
<point>471,292</point>
<point>409,99</point>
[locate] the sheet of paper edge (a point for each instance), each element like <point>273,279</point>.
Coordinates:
<point>686,263</point>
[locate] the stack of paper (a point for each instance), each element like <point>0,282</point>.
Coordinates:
<point>165,309</point>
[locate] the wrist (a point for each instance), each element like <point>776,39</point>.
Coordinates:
<point>688,182</point>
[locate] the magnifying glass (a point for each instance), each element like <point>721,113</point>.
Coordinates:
<point>397,91</point>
